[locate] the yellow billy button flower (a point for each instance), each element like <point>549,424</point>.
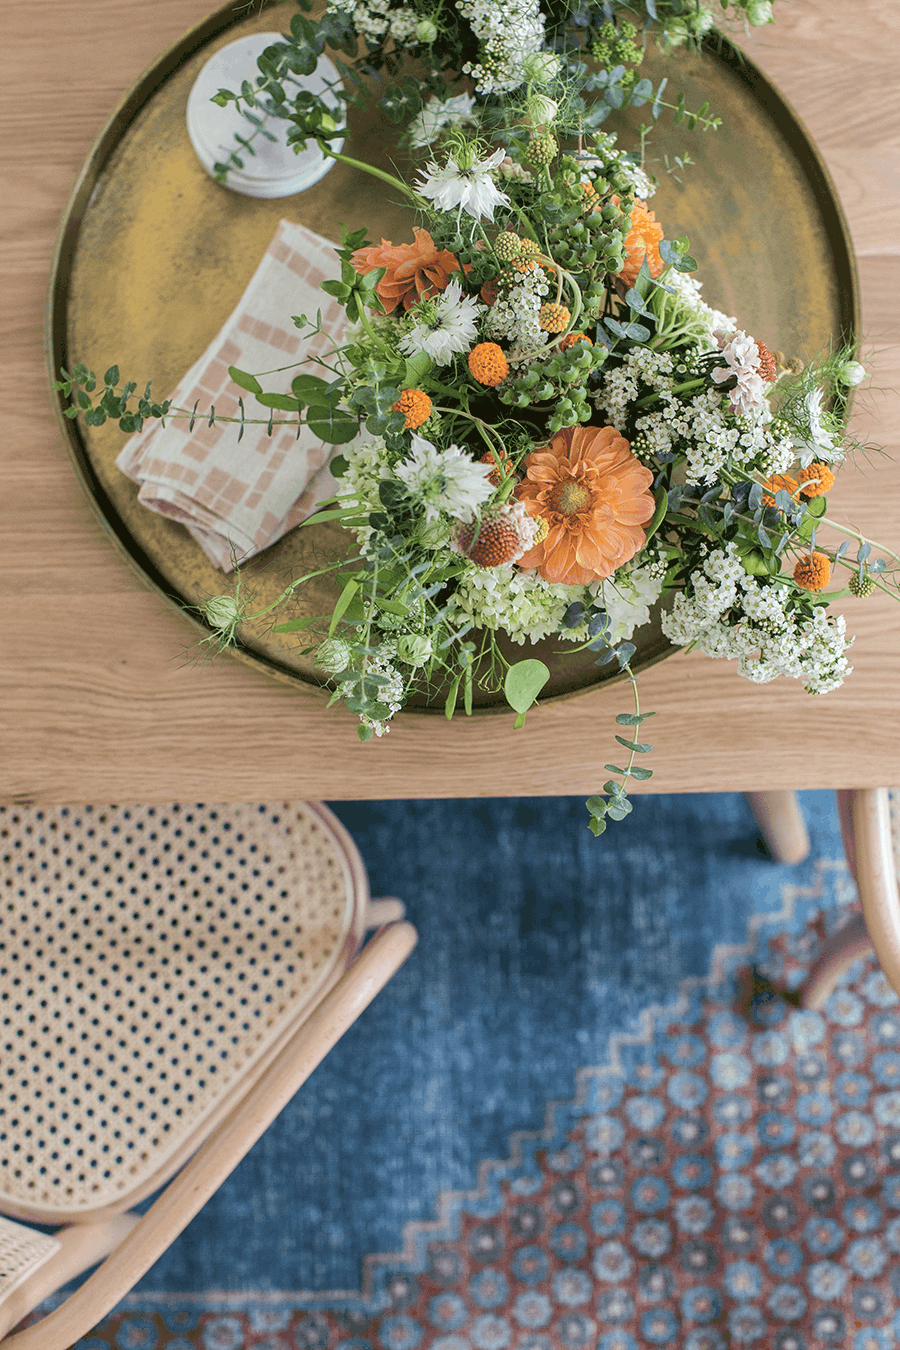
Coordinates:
<point>488,363</point>
<point>553,318</point>
<point>415,406</point>
<point>816,479</point>
<point>813,572</point>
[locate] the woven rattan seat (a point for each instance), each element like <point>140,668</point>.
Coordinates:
<point>156,965</point>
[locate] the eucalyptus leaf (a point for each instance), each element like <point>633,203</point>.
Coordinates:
<point>282,401</point>
<point>245,381</point>
<point>524,681</point>
<point>332,425</point>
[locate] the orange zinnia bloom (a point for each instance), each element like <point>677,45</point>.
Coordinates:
<point>594,495</point>
<point>642,241</point>
<point>414,271</point>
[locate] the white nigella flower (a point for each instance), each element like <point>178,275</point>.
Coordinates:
<point>820,443</point>
<point>439,114</point>
<point>443,325</point>
<point>741,356</point>
<point>447,481</point>
<point>470,188</point>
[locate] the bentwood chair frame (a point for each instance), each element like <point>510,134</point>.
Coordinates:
<point>287,1037</point>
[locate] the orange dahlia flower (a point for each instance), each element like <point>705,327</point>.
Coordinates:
<point>414,271</point>
<point>594,495</point>
<point>642,242</point>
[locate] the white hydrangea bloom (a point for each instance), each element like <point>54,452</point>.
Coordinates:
<point>627,598</point>
<point>528,608</point>
<point>522,603</point>
<point>445,481</point>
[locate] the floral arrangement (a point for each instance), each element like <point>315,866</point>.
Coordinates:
<point>545,430</point>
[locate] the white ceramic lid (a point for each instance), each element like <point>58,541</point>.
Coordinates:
<point>274,170</point>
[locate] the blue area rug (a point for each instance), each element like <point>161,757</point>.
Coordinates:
<point>537,942</point>
<point>552,968</point>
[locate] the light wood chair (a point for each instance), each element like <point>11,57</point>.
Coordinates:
<point>780,822</point>
<point>870,825</point>
<point>169,977</point>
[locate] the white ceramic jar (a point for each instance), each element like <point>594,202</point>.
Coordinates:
<point>274,170</point>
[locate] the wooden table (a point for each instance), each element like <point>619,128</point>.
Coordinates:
<point>99,703</point>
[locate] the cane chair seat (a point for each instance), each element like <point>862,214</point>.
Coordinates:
<point>153,960</point>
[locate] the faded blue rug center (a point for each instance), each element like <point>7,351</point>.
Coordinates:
<point>537,944</point>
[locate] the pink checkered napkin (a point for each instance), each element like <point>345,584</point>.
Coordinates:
<point>235,497</point>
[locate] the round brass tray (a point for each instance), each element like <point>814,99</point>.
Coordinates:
<point>152,256</point>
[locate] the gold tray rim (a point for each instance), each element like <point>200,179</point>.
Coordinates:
<point>131,103</point>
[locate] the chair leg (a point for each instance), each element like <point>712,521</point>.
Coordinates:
<point>838,954</point>
<point>781,824</point>
<point>384,910</point>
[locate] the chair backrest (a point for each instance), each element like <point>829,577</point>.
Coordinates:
<point>153,961</point>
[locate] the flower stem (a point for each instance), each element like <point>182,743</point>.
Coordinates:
<point>376,173</point>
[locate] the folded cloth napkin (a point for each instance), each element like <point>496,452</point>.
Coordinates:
<point>235,497</point>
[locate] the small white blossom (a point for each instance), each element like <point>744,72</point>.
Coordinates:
<point>443,326</point>
<point>818,443</point>
<point>851,373</point>
<point>468,188</point>
<point>390,694</point>
<point>541,67</point>
<point>741,356</point>
<point>447,481</point>
<point>438,114</point>
<point>541,110</point>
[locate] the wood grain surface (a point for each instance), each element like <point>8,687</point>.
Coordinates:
<point>100,699</point>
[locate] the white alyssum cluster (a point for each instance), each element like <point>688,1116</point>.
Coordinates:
<point>403,25</point>
<point>529,608</point>
<point>620,385</point>
<point>370,17</point>
<point>699,425</point>
<point>390,694</point>
<point>733,615</point>
<point>509,33</point>
<point>373,19</point>
<point>514,317</point>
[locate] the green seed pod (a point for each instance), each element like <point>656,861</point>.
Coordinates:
<point>860,586</point>
<point>541,150</point>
